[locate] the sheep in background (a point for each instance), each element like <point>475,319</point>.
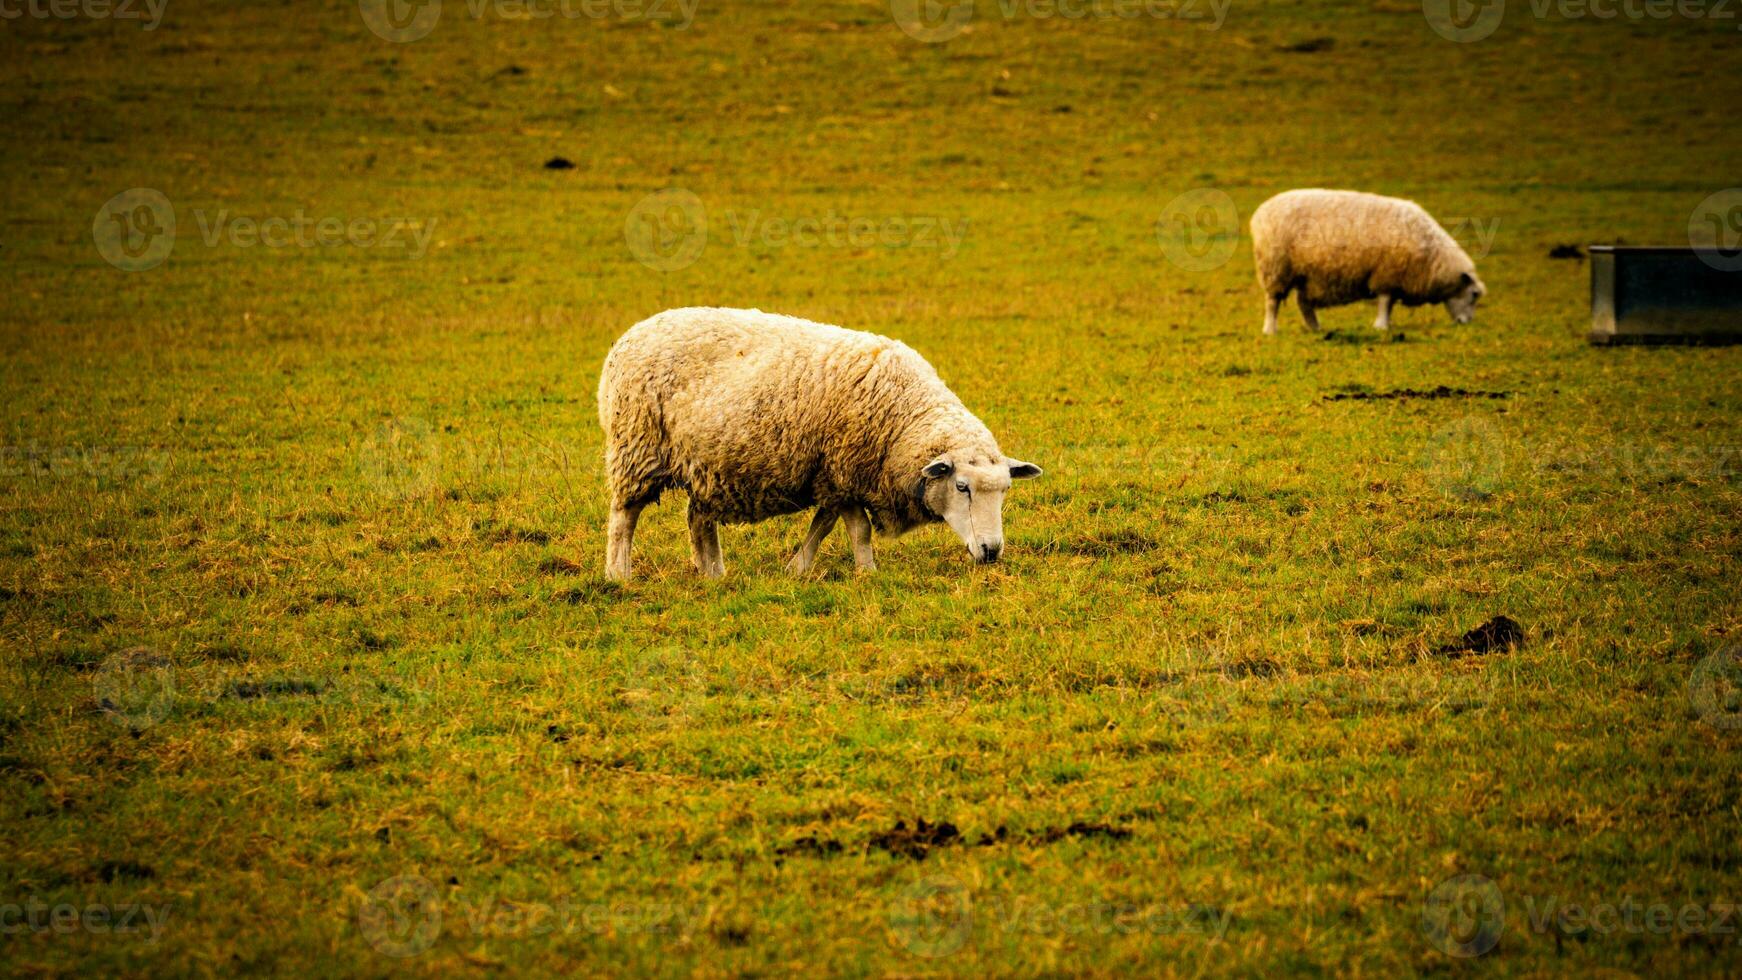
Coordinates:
<point>1336,247</point>
<point>755,415</point>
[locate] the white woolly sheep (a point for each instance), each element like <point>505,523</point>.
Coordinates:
<point>755,415</point>
<point>1336,247</point>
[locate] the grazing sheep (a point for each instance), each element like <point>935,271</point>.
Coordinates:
<point>755,415</point>
<point>1337,247</point>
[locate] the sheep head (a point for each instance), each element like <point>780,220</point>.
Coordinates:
<point>1462,304</point>
<point>966,490</point>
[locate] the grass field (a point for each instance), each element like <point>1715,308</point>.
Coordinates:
<point>310,667</point>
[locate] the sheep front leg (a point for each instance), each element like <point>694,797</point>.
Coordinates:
<point>619,537</point>
<point>1271,303</point>
<point>1383,322</point>
<point>705,544</point>
<point>1307,312</point>
<point>821,525</point>
<point>859,529</point>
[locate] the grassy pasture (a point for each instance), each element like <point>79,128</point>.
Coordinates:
<point>306,647</point>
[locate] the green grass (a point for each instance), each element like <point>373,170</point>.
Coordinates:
<point>322,527</point>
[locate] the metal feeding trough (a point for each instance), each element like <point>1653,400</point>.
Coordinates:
<point>1665,295</point>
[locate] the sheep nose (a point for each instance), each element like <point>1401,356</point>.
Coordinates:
<point>989,553</point>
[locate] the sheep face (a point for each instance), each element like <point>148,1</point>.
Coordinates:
<point>1462,305</point>
<point>967,492</point>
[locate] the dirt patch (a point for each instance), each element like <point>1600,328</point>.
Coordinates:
<point>1312,45</point>
<point>1400,394</point>
<point>915,842</point>
<point>250,690</point>
<point>953,676</point>
<point>810,847</point>
<point>1260,667</point>
<point>1123,542</point>
<point>1103,545</point>
<point>998,836</point>
<point>1499,633</point>
<point>733,936</point>
<point>1080,683</point>
<point>336,599</point>
<point>1365,337</point>
<point>520,535</point>
<point>224,652</point>
<point>1079,829</point>
<point>113,871</point>
<point>559,163</point>
<point>77,659</point>
<point>596,590</point>
<point>1566,252</point>
<point>560,566</point>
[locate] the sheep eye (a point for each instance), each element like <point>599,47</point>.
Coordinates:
<point>962,487</point>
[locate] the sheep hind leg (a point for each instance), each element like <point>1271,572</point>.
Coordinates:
<point>705,543</point>
<point>1307,312</point>
<point>821,525</point>
<point>859,529</point>
<point>619,539</point>
<point>1271,303</point>
<point>1382,323</point>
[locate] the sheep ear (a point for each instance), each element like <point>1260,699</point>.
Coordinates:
<point>1023,471</point>
<point>1468,279</point>
<point>937,469</point>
